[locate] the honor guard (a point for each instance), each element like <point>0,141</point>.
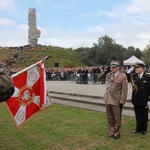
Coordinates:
<point>140,97</point>
<point>114,98</point>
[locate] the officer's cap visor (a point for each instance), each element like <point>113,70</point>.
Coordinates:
<point>139,65</point>
<point>113,66</point>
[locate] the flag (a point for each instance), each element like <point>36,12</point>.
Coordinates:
<point>30,94</point>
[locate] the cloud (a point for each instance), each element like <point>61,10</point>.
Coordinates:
<point>15,36</point>
<point>84,38</point>
<point>126,36</point>
<point>125,11</point>
<point>8,6</point>
<point>134,35</point>
<point>45,32</point>
<point>138,6</point>
<point>128,23</point>
<point>94,29</point>
<point>133,9</point>
<point>67,42</point>
<point>6,22</point>
<point>55,5</point>
<point>102,12</point>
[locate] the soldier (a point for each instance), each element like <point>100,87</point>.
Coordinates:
<point>114,98</point>
<point>140,97</point>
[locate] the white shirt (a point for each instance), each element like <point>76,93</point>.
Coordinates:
<point>140,75</point>
<point>116,73</point>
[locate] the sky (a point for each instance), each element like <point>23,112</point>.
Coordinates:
<point>76,23</point>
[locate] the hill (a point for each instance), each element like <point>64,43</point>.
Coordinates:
<point>65,57</point>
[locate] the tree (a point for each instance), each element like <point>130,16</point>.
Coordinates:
<point>108,50</point>
<point>146,55</point>
<point>133,51</point>
<point>104,51</point>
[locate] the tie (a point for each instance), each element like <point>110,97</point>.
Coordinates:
<point>139,77</point>
<point>113,76</point>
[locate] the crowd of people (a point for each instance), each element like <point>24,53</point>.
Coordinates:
<point>84,75</point>
<point>81,75</point>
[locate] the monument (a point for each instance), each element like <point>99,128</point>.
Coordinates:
<point>33,32</point>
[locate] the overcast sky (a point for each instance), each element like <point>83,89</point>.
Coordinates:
<point>76,23</point>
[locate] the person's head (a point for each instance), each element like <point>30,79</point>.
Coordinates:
<point>114,69</point>
<point>139,68</point>
<point>114,66</point>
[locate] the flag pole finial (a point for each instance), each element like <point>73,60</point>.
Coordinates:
<point>45,58</point>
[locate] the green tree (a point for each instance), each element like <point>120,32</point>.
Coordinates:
<point>105,50</point>
<point>133,51</point>
<point>146,55</point>
<point>108,50</point>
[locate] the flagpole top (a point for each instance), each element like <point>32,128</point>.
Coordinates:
<point>45,58</point>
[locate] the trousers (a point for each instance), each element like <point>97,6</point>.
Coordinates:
<point>141,114</point>
<point>114,119</point>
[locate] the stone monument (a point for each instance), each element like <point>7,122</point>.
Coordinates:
<point>33,32</point>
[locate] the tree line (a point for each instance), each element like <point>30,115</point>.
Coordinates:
<point>106,49</point>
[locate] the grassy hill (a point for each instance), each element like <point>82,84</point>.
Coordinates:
<point>65,57</point>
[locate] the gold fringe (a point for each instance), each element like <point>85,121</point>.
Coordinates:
<point>134,86</point>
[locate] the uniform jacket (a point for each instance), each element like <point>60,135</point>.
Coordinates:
<point>141,95</point>
<point>117,88</point>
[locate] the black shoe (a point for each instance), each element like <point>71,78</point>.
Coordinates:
<point>144,133</point>
<point>116,137</point>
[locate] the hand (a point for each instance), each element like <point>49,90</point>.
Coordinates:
<point>120,105</point>
<point>148,103</point>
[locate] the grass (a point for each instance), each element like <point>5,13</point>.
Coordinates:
<point>65,57</point>
<point>67,128</point>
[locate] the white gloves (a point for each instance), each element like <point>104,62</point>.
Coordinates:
<point>148,104</point>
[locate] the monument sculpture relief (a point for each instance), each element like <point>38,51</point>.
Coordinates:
<point>33,32</point>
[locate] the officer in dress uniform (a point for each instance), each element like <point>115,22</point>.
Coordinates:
<point>140,97</point>
<point>114,98</point>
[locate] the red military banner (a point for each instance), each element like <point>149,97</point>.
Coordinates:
<point>30,94</point>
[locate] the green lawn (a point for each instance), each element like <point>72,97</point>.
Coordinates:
<point>67,128</point>
<point>65,58</point>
